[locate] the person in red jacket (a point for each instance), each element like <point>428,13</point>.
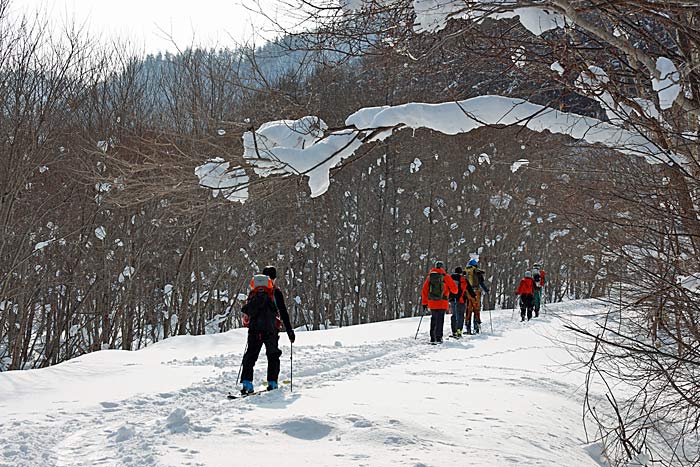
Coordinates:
<point>526,290</point>
<point>436,289</point>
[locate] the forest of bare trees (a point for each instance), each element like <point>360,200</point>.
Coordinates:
<point>109,242</point>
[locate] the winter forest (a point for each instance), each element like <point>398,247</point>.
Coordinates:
<point>140,193</point>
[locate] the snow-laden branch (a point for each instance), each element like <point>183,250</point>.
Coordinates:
<point>300,147</point>
<point>215,174</point>
<point>433,15</point>
<point>547,15</point>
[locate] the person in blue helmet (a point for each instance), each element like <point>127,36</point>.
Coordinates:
<point>475,278</point>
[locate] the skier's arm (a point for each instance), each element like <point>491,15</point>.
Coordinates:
<point>424,292</point>
<point>451,286</point>
<point>284,314</point>
<point>482,284</point>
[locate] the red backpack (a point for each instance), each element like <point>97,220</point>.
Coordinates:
<point>260,311</point>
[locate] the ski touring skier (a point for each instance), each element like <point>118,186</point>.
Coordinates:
<point>538,278</point>
<point>263,314</point>
<point>458,301</point>
<point>434,297</point>
<point>475,278</point>
<point>526,290</point>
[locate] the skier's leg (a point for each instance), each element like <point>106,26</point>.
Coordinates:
<point>468,318</point>
<point>273,353</point>
<point>477,313</point>
<point>433,322</point>
<point>440,325</point>
<point>453,317</point>
<point>460,316</point>
<point>251,356</point>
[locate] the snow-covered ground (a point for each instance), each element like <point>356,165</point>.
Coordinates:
<point>363,395</point>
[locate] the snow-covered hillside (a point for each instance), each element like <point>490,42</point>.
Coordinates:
<point>364,395</point>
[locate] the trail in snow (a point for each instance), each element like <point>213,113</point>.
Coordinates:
<point>363,395</point>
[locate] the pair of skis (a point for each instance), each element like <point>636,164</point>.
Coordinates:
<point>232,396</point>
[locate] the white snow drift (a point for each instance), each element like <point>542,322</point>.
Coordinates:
<point>368,394</point>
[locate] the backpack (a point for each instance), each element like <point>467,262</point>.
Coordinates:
<point>456,297</point>
<point>260,307</point>
<point>473,277</point>
<point>436,286</point>
<point>536,277</point>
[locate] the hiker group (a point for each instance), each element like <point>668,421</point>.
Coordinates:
<point>530,291</point>
<point>459,293</point>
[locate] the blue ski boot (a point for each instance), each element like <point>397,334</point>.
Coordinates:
<point>272,385</point>
<point>247,388</point>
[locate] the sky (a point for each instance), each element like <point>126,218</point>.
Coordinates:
<point>158,25</point>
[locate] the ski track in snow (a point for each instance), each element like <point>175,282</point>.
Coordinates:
<point>198,426</point>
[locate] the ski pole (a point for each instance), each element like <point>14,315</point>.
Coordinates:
<point>420,321</point>
<point>544,303</point>
<point>241,366</point>
<point>291,367</point>
<point>490,320</point>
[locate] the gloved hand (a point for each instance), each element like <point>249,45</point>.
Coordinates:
<point>291,335</point>
<point>425,308</point>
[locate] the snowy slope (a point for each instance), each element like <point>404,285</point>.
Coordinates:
<point>363,395</point>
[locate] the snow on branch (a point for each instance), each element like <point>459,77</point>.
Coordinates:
<point>433,15</point>
<point>231,184</point>
<point>299,147</point>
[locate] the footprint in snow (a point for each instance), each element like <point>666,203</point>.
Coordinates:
<point>110,406</point>
<point>305,428</point>
<point>362,424</point>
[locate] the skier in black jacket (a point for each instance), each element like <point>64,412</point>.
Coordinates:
<point>264,329</point>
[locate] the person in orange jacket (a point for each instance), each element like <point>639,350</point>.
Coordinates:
<point>526,290</point>
<point>475,277</point>
<point>436,289</point>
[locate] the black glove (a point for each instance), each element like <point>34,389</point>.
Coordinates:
<point>291,335</point>
<point>425,307</point>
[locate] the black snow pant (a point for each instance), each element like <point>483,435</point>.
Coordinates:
<point>527,303</point>
<point>457,320</point>
<point>437,322</point>
<point>256,339</point>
